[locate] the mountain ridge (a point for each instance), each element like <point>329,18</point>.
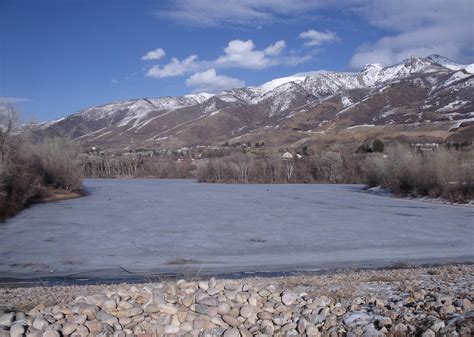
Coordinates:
<point>413,91</point>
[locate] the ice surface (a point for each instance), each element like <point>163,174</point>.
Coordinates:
<point>157,225</point>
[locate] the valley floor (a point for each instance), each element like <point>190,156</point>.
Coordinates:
<point>425,302</point>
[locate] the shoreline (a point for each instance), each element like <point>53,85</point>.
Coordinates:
<point>141,278</point>
<point>50,195</point>
<point>426,301</point>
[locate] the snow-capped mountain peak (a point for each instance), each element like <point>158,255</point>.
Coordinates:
<point>447,63</point>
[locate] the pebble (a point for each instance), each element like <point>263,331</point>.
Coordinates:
<point>234,332</point>
<point>17,330</point>
<point>428,304</point>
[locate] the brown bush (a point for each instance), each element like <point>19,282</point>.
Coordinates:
<point>442,173</point>
<point>29,168</point>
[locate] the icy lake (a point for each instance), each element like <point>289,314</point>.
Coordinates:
<point>142,227</point>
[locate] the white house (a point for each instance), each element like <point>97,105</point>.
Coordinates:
<point>287,155</point>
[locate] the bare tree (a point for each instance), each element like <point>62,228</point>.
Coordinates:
<point>289,168</point>
<point>9,119</point>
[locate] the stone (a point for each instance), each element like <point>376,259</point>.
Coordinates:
<point>219,322</point>
<point>124,305</point>
<point>168,309</point>
<point>40,323</point>
<point>213,332</point>
<point>244,332</point>
<point>36,310</point>
<point>109,304</point>
<point>232,321</point>
<point>119,334</point>
<point>447,309</point>
<point>234,332</point>
<point>82,330</point>
<point>89,310</point>
<point>171,329</point>
<point>213,291</point>
<point>312,331</point>
<point>151,308</point>
<point>399,328</point>
<point>209,301</point>
<point>212,311</point>
<point>370,331</point>
<point>204,285</point>
<point>246,311</point>
<point>7,319</point>
<point>50,333</point>
<point>186,327</point>
<point>223,308</point>
<point>279,320</point>
<point>132,312</point>
<point>80,319</point>
<point>187,301</point>
<point>264,315</point>
<point>17,330</point>
<point>437,326</point>
<point>201,309</point>
<point>69,328</point>
<point>428,333</point>
<point>331,321</point>
<point>288,298</point>
<point>302,325</point>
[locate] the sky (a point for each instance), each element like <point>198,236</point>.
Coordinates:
<point>58,57</point>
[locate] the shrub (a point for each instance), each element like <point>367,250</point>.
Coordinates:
<point>29,168</point>
<point>442,173</point>
<point>378,146</point>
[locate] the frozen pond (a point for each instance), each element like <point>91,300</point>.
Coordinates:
<point>142,227</point>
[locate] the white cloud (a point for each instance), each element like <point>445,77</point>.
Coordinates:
<point>416,28</point>
<point>237,54</point>
<point>237,12</point>
<point>315,38</point>
<point>174,68</point>
<point>242,54</point>
<point>209,81</point>
<point>276,48</point>
<point>13,100</point>
<point>154,55</point>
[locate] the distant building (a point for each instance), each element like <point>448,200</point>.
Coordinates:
<point>287,155</point>
<point>425,146</point>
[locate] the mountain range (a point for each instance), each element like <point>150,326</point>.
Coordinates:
<point>420,99</point>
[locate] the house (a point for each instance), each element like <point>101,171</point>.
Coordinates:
<point>425,146</point>
<point>287,155</point>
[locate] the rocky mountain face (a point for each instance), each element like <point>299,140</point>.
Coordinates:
<point>430,97</point>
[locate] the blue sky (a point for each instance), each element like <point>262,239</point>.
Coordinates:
<point>60,56</point>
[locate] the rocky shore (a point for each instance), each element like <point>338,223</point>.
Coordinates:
<point>433,301</point>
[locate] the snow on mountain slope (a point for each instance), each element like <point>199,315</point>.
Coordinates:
<point>447,63</point>
<point>296,78</point>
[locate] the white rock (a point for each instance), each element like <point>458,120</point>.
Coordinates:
<point>171,329</point>
<point>40,323</point>
<point>7,319</point>
<point>17,330</point>
<point>288,298</point>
